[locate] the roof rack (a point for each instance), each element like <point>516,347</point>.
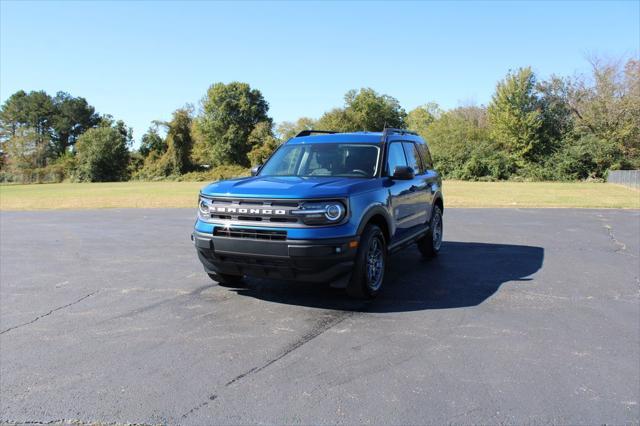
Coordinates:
<point>311,131</point>
<point>390,130</point>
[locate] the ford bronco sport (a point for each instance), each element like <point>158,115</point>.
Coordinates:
<point>325,207</point>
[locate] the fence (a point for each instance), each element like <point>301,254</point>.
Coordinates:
<point>629,178</point>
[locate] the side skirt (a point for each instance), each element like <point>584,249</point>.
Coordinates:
<point>399,245</point>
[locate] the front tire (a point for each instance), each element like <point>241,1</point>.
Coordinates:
<point>370,264</point>
<point>430,244</point>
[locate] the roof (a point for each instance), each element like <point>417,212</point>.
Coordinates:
<point>352,137</point>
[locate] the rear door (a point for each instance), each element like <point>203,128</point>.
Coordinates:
<point>431,177</point>
<point>420,194</point>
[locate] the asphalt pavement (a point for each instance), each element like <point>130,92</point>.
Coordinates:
<point>528,316</point>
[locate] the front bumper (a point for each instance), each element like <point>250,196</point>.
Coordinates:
<point>304,260</point>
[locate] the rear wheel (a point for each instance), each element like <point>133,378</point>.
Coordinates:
<point>370,264</point>
<point>227,280</point>
<point>430,244</point>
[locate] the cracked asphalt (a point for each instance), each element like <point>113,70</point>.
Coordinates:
<point>528,316</point>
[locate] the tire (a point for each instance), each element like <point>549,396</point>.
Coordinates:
<point>370,264</point>
<point>227,280</point>
<point>430,244</point>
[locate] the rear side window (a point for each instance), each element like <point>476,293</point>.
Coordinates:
<point>426,156</point>
<point>413,157</point>
<point>396,157</point>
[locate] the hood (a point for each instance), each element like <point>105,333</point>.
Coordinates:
<point>290,187</point>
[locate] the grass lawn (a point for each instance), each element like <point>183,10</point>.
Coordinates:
<point>184,194</point>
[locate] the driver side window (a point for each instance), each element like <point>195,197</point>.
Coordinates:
<point>395,157</point>
<point>287,165</point>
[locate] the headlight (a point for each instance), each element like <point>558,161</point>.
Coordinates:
<point>321,212</point>
<point>334,212</point>
<point>204,208</point>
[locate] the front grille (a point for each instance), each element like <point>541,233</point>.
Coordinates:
<point>252,234</point>
<point>243,210</point>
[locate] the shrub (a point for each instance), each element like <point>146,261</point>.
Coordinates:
<point>217,173</point>
<point>156,166</point>
<point>62,169</point>
<point>586,158</point>
<point>487,163</point>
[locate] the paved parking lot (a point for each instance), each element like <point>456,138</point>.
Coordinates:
<point>529,316</point>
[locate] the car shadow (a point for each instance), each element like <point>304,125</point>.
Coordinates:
<point>464,274</point>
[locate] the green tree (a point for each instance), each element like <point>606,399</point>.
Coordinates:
<point>557,118</point>
<point>263,142</point>
<point>71,117</point>
<point>228,115</point>
<point>370,111</point>
<point>336,120</point>
<point>54,123</point>
<point>170,156</point>
<point>24,151</point>
<point>152,141</point>
<point>457,136</point>
<point>179,141</point>
<point>288,129</point>
<point>421,117</point>
<point>607,106</point>
<point>102,152</point>
<point>29,116</point>
<point>515,117</point>
<point>39,113</point>
<point>13,114</point>
<point>364,110</point>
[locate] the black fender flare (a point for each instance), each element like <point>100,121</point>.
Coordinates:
<point>374,210</point>
<point>436,197</point>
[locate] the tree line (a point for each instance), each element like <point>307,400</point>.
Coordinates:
<point>561,128</point>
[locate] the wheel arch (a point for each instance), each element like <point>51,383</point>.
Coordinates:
<point>438,201</point>
<point>379,216</point>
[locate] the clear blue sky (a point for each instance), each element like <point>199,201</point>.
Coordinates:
<point>139,61</point>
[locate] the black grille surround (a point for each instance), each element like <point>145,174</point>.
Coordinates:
<point>253,234</point>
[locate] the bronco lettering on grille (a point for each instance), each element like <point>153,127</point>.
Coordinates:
<point>250,211</point>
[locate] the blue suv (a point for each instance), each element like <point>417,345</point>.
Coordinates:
<point>326,207</point>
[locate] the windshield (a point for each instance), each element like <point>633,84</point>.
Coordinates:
<point>323,159</point>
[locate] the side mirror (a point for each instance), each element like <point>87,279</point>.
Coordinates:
<point>255,169</point>
<point>403,173</point>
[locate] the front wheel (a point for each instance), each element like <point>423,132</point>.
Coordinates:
<point>429,245</point>
<point>370,264</point>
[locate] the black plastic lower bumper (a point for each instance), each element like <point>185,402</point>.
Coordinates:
<point>304,260</point>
